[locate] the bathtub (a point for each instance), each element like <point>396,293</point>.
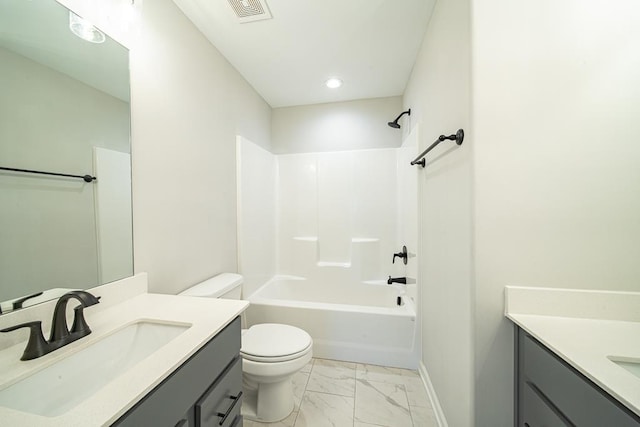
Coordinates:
<point>357,322</point>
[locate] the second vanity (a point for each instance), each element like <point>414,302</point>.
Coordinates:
<point>191,377</point>
<point>577,356</point>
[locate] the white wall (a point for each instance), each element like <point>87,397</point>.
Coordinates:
<point>51,122</point>
<point>556,101</point>
<point>257,170</point>
<point>438,95</point>
<point>336,126</point>
<point>188,104</point>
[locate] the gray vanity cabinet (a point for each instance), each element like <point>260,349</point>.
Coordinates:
<point>551,393</point>
<point>206,390</point>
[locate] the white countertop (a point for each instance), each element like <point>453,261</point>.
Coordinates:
<point>206,316</point>
<point>585,328</point>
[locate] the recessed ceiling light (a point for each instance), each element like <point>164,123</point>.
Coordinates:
<point>333,83</point>
<point>84,29</point>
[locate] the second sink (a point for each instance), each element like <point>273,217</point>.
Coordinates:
<point>62,386</point>
<point>630,364</point>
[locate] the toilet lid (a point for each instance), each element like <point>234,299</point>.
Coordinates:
<point>274,340</point>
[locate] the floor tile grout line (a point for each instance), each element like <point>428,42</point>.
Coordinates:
<point>331,394</point>
<point>355,396</point>
<point>304,391</point>
<point>355,392</point>
<point>406,395</point>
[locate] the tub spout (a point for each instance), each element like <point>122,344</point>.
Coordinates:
<point>402,280</point>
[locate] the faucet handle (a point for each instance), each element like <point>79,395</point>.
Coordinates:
<point>37,345</point>
<point>80,325</point>
<point>404,255</point>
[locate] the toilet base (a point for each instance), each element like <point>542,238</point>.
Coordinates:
<point>268,402</point>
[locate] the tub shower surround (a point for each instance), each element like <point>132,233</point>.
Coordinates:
<point>339,218</point>
<point>338,215</point>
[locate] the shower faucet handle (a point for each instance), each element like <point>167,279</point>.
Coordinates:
<point>404,255</point>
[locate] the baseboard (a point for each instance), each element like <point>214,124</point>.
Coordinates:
<point>433,397</point>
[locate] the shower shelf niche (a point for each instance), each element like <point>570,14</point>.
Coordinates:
<point>353,239</point>
<point>333,264</point>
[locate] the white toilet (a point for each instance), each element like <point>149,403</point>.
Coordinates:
<point>271,354</point>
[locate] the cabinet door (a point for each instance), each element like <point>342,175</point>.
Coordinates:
<point>220,406</point>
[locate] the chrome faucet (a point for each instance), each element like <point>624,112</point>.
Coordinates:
<point>60,336</point>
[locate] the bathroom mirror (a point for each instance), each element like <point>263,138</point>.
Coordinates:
<point>64,109</point>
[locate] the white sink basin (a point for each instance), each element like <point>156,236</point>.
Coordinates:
<point>60,387</point>
<point>630,364</point>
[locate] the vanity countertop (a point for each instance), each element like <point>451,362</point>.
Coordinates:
<point>585,328</point>
<point>206,316</point>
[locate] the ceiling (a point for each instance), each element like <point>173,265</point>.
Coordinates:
<point>370,44</point>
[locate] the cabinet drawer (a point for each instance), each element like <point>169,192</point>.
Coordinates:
<point>537,411</point>
<point>578,400</point>
<point>220,406</point>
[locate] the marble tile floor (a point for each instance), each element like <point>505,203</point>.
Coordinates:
<point>330,393</point>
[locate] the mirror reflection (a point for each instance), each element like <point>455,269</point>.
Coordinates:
<point>64,109</point>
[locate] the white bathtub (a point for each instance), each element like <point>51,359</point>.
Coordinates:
<point>356,322</point>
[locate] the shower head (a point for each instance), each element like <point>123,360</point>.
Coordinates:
<point>394,124</point>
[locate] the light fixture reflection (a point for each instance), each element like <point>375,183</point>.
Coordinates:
<point>333,83</point>
<point>84,29</point>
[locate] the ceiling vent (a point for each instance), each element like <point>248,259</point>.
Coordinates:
<point>250,10</point>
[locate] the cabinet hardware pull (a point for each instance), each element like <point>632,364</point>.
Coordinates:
<point>224,416</point>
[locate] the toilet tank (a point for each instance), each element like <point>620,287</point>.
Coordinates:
<point>225,285</point>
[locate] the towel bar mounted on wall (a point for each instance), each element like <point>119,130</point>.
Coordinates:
<point>458,137</point>
<point>86,178</point>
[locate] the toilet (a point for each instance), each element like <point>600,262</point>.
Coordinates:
<point>271,354</point>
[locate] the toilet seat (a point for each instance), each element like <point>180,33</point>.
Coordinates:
<point>274,359</point>
<point>271,342</point>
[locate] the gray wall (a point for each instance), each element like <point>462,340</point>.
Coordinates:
<point>336,126</point>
